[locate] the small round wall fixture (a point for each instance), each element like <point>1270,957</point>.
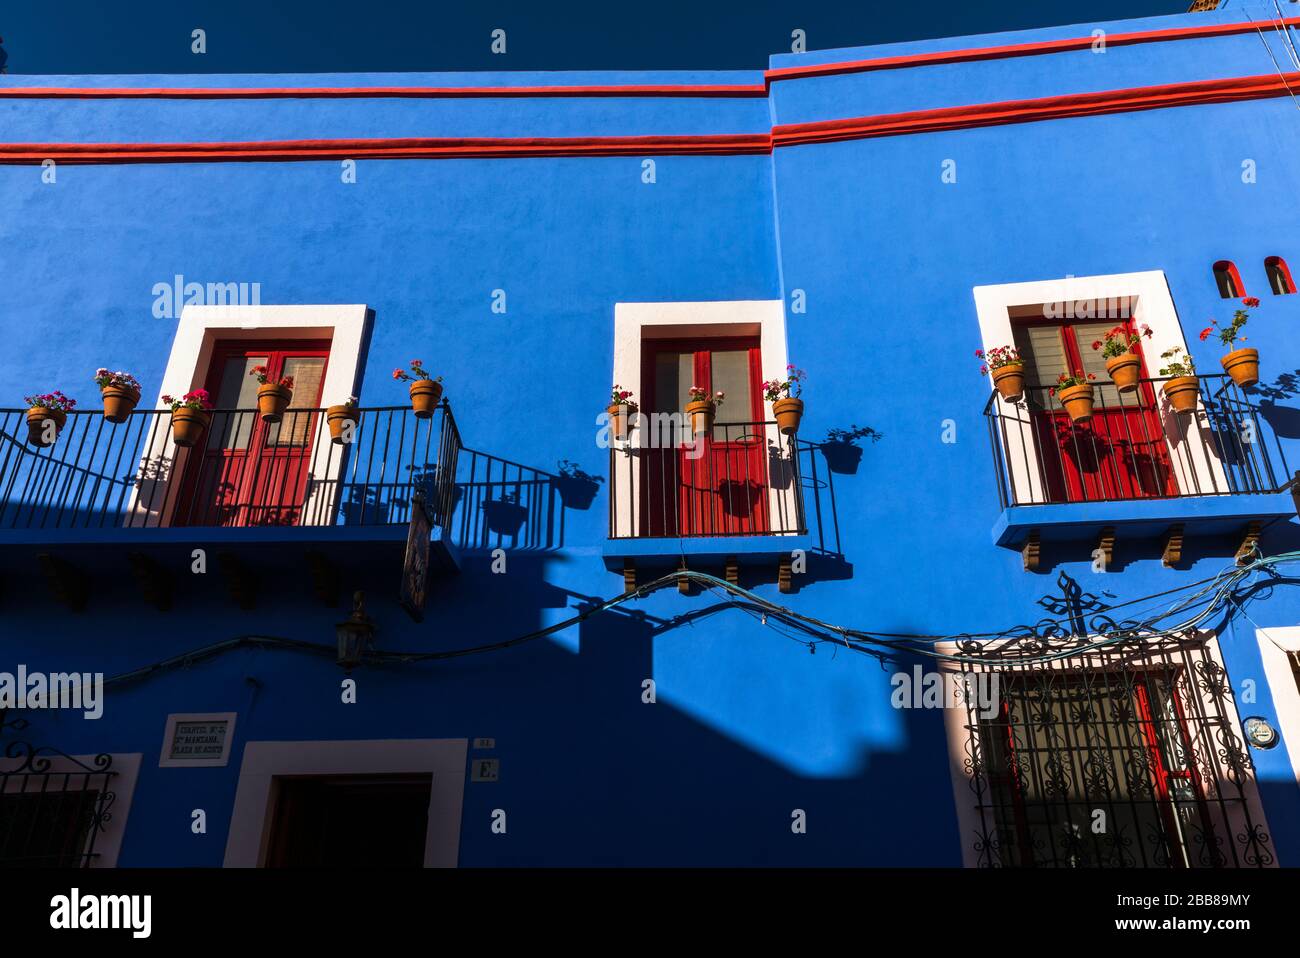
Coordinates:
<point>1259,732</point>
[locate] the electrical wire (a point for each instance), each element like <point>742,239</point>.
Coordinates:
<point>1214,595</point>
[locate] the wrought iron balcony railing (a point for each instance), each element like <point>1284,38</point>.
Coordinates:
<point>1136,446</point>
<point>742,479</point>
<point>243,472</point>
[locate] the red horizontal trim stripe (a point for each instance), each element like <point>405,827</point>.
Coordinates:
<point>1020,50</point>
<point>1045,108</point>
<point>420,148</point>
<point>382,92</point>
<point>825,131</point>
<point>647,90</point>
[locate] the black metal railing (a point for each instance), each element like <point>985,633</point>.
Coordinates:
<point>242,472</point>
<point>1135,446</point>
<point>743,478</point>
<point>53,807</point>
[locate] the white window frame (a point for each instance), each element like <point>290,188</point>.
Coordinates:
<point>1192,456</point>
<point>962,773</point>
<point>200,329</point>
<point>443,760</point>
<point>1274,644</point>
<point>108,841</point>
<point>635,323</point>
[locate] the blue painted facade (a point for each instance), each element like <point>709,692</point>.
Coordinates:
<point>748,725</point>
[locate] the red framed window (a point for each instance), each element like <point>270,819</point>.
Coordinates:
<point>1121,453</point>
<point>250,472</point>
<point>719,487</point>
<point>1118,743</point>
<point>1228,280</point>
<point>1279,276</point>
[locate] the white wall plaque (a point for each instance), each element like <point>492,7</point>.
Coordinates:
<point>197,740</point>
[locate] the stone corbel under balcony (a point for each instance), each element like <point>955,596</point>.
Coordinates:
<point>770,558</point>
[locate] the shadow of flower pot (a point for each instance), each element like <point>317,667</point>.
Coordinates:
<point>503,516</point>
<point>739,498</point>
<point>842,457</point>
<point>576,492</point>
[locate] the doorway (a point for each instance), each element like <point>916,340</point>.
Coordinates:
<point>248,472</point>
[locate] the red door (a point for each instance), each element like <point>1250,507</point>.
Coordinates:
<point>716,485</point>
<point>250,472</point>
<point>1121,452</point>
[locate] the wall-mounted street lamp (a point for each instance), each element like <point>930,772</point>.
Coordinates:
<point>356,634</point>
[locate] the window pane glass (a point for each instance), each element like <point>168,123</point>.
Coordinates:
<point>730,370</point>
<point>295,428</point>
<point>237,390</point>
<point>674,374</point>
<point>1043,352</point>
<point>1093,362</point>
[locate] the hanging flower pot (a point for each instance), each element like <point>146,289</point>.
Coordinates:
<point>788,413</point>
<point>1241,364</point>
<point>1184,389</point>
<point>1075,393</point>
<point>121,392</point>
<point>701,409</point>
<point>1125,371</point>
<point>1007,369</point>
<point>46,415</point>
<point>783,394</point>
<point>191,416</point>
<point>621,412</point>
<point>426,390</point>
<point>38,433</point>
<point>701,413</point>
<point>336,416</point>
<point>1182,393</point>
<point>1119,347</point>
<point>273,398</point>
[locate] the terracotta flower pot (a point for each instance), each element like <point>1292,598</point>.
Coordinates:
<point>788,412</point>
<point>1125,371</point>
<point>1182,393</point>
<point>37,417</point>
<point>425,396</point>
<point>1077,401</point>
<point>620,418</point>
<point>119,402</point>
<point>336,416</point>
<point>272,401</point>
<point>188,426</point>
<point>1009,380</point>
<point>1242,365</point>
<point>701,415</point>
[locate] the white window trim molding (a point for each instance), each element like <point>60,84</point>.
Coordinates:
<point>634,323</point>
<point>962,772</point>
<point>108,843</point>
<point>199,331</point>
<point>255,798</point>
<point>1192,456</point>
<point>1274,644</point>
<point>164,756</point>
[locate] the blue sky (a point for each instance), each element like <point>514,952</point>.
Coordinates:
<point>318,36</point>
